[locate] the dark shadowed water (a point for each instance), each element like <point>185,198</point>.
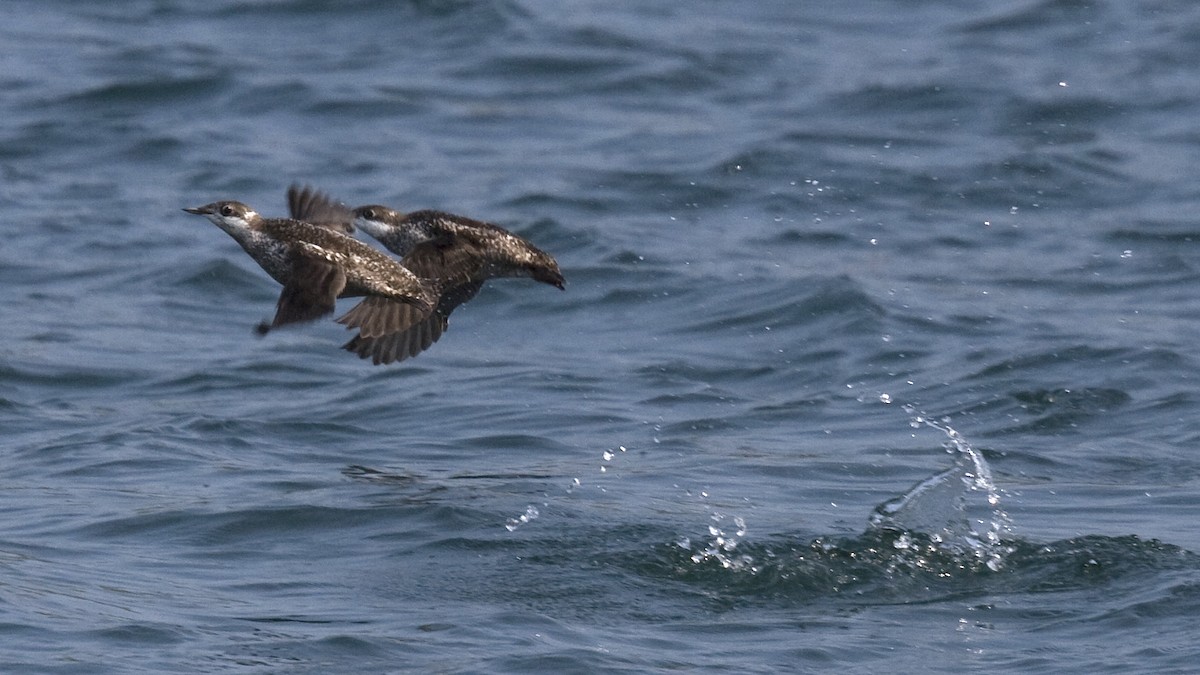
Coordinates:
<point>878,350</point>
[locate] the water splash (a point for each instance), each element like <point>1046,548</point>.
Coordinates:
<point>725,534</point>
<point>531,513</point>
<point>939,506</point>
<point>607,458</point>
<point>722,548</point>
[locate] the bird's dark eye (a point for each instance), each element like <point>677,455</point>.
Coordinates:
<point>369,214</point>
<point>227,210</point>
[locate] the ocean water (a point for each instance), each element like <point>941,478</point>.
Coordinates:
<point>877,354</point>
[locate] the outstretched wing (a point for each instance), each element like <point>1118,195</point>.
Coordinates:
<point>389,347</point>
<point>309,294</point>
<point>313,206</point>
<point>377,316</point>
<point>399,346</point>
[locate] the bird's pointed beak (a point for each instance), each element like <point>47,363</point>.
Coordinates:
<point>200,210</point>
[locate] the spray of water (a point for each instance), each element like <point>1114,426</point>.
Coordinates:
<point>607,460</point>
<point>936,512</point>
<point>940,506</point>
<point>722,547</point>
<point>531,513</point>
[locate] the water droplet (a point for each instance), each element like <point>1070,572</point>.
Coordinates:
<point>531,513</point>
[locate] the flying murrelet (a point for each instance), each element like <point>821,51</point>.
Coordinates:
<point>457,254</point>
<point>317,265</point>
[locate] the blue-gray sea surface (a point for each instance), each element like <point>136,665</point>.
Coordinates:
<point>816,254</point>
